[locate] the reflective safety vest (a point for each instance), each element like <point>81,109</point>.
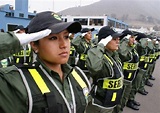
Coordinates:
<point>111,87</point>
<point>73,51</point>
<point>83,56</point>
<point>156,54</point>
<point>46,95</point>
<point>143,64</point>
<point>151,58</point>
<point>24,56</point>
<point>73,55</point>
<point>130,67</point>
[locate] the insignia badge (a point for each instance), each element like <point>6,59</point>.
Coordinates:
<point>56,16</point>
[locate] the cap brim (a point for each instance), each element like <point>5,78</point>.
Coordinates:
<point>134,34</point>
<point>116,35</point>
<point>92,29</point>
<point>85,30</point>
<point>72,27</point>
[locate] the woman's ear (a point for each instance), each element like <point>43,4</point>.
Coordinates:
<point>34,46</point>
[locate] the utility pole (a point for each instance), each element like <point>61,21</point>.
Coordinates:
<point>53,6</point>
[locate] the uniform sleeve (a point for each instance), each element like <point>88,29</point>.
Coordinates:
<point>13,96</point>
<point>9,44</point>
<point>95,61</point>
<point>150,45</point>
<point>79,45</point>
<point>123,51</point>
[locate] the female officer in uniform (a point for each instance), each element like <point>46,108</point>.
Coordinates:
<point>130,60</point>
<point>49,85</point>
<point>82,44</point>
<point>105,69</point>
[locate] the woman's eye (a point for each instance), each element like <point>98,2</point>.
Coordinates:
<point>66,37</point>
<point>53,38</point>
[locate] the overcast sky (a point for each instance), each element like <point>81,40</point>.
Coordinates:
<point>56,5</point>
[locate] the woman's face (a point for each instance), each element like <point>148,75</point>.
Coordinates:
<point>131,40</point>
<point>53,49</point>
<point>113,44</point>
<point>88,35</point>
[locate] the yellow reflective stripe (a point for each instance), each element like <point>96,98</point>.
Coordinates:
<point>29,59</point>
<point>151,60</point>
<point>108,59</point>
<point>113,83</point>
<point>146,59</point>
<point>39,81</point>
<point>22,54</point>
<point>86,45</point>
<point>142,58</point>
<point>80,81</point>
<point>152,55</point>
<point>130,66</point>
<point>114,96</point>
<point>130,74</point>
<point>17,60</point>
<point>70,52</point>
<point>83,56</point>
<point>72,48</point>
<point>145,65</point>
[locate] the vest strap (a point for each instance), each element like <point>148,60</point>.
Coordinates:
<point>39,81</point>
<point>108,59</point>
<point>80,82</point>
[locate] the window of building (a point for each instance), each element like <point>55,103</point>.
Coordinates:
<point>11,27</point>
<point>118,25</point>
<point>31,16</point>
<point>123,26</point>
<point>64,19</point>
<point>21,15</point>
<point>96,22</point>
<point>111,23</point>
<point>9,14</point>
<point>83,21</point>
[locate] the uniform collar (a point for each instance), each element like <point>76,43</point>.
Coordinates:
<point>109,52</point>
<point>66,68</point>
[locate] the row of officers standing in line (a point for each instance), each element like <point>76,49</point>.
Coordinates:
<point>118,66</point>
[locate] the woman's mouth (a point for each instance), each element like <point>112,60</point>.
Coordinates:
<point>64,54</point>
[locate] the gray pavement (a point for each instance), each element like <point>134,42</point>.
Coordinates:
<point>151,102</point>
